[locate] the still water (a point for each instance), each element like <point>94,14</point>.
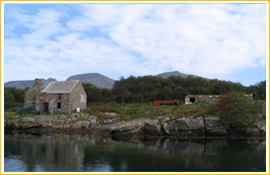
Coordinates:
<point>92,153</point>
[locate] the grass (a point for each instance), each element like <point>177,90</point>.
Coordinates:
<point>129,112</point>
<point>139,111</point>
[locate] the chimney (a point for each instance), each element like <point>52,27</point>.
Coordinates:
<point>38,81</point>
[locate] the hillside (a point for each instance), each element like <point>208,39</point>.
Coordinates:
<point>175,73</point>
<point>27,83</point>
<point>96,79</point>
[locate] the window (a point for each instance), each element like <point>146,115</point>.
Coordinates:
<point>33,104</point>
<point>59,96</point>
<point>58,105</point>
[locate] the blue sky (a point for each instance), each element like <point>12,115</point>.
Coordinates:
<point>223,41</point>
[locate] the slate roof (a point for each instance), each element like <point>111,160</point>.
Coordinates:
<point>61,86</point>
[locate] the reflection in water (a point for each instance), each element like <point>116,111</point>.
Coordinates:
<point>91,153</point>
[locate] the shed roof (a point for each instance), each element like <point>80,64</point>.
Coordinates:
<point>193,96</point>
<point>61,86</point>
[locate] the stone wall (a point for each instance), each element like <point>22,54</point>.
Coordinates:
<point>208,99</point>
<point>78,98</point>
<point>31,94</point>
<point>52,100</point>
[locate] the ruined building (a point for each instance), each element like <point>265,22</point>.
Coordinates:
<point>62,97</point>
<point>189,99</point>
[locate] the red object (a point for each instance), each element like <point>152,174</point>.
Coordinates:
<point>172,102</point>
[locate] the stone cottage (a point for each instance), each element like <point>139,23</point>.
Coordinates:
<point>189,99</point>
<point>62,97</point>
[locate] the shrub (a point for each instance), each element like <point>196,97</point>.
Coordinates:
<point>27,110</point>
<point>235,109</point>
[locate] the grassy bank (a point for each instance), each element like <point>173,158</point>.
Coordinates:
<point>129,112</point>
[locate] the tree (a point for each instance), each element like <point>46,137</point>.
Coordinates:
<point>93,93</point>
<point>235,109</point>
<point>180,93</point>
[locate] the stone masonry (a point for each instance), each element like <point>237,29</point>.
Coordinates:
<point>60,97</point>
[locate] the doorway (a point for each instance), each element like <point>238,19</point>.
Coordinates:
<point>46,107</point>
<point>192,100</point>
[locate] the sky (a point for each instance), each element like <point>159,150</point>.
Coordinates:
<point>226,41</point>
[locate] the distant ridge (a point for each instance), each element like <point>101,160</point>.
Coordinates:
<point>96,79</point>
<point>27,83</point>
<point>174,73</point>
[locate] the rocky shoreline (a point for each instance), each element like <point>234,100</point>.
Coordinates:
<point>177,127</point>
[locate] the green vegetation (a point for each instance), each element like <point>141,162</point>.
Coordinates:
<point>132,98</point>
<point>236,109</point>
<point>82,119</point>
<point>13,99</point>
<point>146,110</point>
<point>147,89</point>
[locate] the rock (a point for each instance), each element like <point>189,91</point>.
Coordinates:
<point>10,124</point>
<point>50,121</point>
<point>180,127</point>
<point>86,124</point>
<point>129,129</point>
<point>17,124</point>
<point>85,116</point>
<point>77,125</point>
<point>112,114</point>
<point>262,127</point>
<point>66,126</point>
<point>62,117</point>
<point>74,115</point>
<point>27,122</point>
<point>244,132</point>
<point>69,121</point>
<point>214,127</point>
<point>57,126</point>
<point>41,121</point>
<point>74,118</point>
<point>197,126</point>
<point>152,127</point>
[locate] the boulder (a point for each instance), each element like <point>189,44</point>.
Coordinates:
<point>180,127</point>
<point>10,124</point>
<point>86,124</point>
<point>77,125</point>
<point>261,127</point>
<point>57,126</point>
<point>62,119</point>
<point>50,121</point>
<point>41,121</point>
<point>251,131</point>
<point>112,114</point>
<point>17,124</point>
<point>197,126</point>
<point>214,127</point>
<point>152,127</point>
<point>129,129</point>
<point>66,126</point>
<point>27,122</point>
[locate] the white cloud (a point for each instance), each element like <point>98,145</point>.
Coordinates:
<point>201,39</point>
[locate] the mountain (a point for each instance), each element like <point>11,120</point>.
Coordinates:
<point>95,79</point>
<point>175,73</point>
<point>27,83</point>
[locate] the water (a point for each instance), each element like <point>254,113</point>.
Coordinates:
<point>91,153</point>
